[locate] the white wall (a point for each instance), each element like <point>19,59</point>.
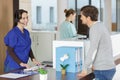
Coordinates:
<point>107,14</point>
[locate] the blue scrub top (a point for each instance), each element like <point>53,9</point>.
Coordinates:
<point>21,43</point>
<point>67,30</point>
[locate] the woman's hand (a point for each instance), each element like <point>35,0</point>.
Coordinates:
<point>24,65</point>
<point>82,74</point>
<point>36,62</point>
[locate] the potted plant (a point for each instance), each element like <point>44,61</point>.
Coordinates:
<point>64,66</point>
<point>42,73</point>
<point>63,71</point>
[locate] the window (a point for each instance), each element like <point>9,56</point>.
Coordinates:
<point>38,15</point>
<point>114,24</point>
<point>99,5</point>
<point>44,14</point>
<point>71,4</point>
<point>51,14</point>
<point>77,5</point>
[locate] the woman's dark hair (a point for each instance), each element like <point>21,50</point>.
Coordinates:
<point>90,11</point>
<point>69,12</point>
<point>18,16</point>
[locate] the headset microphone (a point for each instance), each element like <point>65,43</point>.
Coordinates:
<point>21,23</point>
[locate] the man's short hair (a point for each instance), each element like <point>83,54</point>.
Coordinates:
<point>90,11</point>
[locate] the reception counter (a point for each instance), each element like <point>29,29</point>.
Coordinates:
<point>53,75</point>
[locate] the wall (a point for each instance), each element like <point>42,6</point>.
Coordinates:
<point>62,5</point>
<point>107,15</point>
<point>6,19</point>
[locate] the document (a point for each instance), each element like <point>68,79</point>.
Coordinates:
<point>13,75</point>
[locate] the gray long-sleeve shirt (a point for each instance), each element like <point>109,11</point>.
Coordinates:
<point>99,40</point>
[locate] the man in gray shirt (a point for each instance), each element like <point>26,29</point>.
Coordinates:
<point>100,54</point>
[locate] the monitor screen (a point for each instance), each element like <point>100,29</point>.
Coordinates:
<point>82,28</point>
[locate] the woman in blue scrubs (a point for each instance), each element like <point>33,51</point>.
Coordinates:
<point>67,28</point>
<point>18,44</point>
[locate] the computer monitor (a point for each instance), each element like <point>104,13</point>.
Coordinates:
<point>82,28</point>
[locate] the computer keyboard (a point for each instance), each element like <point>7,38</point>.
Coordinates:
<point>82,38</point>
<point>47,63</point>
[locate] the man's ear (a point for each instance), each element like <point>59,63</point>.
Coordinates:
<point>88,18</point>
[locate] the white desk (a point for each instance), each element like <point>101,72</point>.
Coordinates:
<point>115,43</point>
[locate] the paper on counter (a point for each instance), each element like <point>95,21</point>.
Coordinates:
<point>13,75</point>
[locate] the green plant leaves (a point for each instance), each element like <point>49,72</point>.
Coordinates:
<point>64,66</point>
<point>42,71</point>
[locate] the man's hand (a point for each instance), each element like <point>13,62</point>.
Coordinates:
<point>82,74</point>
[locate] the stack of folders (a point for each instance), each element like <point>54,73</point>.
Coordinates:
<point>78,60</point>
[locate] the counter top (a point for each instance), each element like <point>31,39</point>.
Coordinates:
<point>53,75</point>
